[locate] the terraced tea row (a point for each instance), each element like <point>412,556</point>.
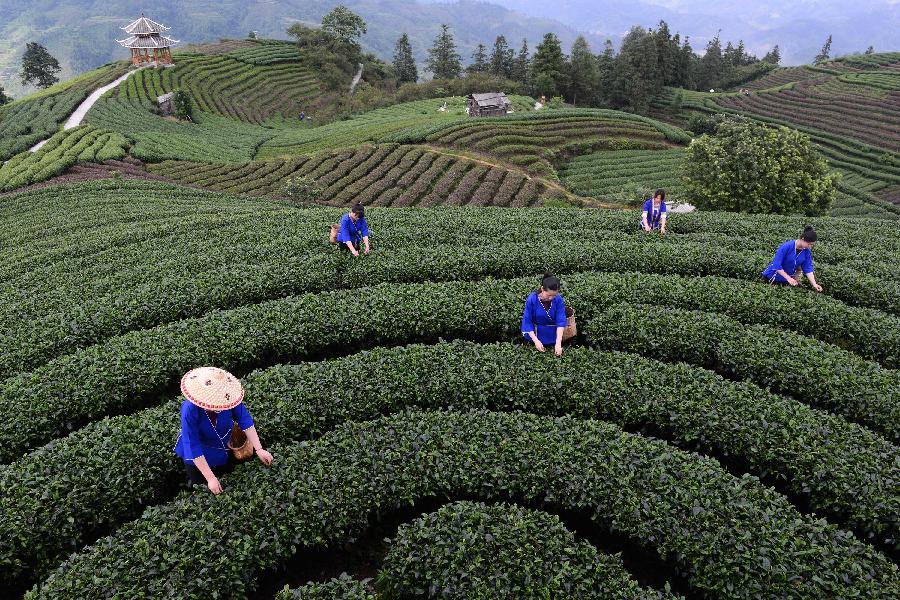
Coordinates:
<point>35,118</point>
<point>603,174</point>
<point>716,527</point>
<point>387,175</point>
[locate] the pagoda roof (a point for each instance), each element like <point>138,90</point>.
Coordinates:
<point>153,41</point>
<point>144,26</point>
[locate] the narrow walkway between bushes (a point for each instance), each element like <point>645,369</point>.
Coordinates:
<point>356,78</point>
<point>78,116</point>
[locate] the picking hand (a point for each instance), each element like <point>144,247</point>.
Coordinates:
<point>792,282</point>
<point>539,346</point>
<point>214,486</point>
<point>265,456</point>
<point>558,350</point>
<point>817,287</point>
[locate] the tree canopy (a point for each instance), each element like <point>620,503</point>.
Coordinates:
<point>39,66</point>
<point>443,59</point>
<point>404,63</point>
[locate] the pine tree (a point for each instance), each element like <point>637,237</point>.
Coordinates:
<point>522,64</point>
<point>686,66</point>
<point>583,73</point>
<point>773,56</point>
<point>39,66</point>
<point>606,74</point>
<point>666,53</point>
<point>502,58</point>
<point>712,65</point>
<point>404,63</point>
<point>825,53</point>
<point>443,59</point>
<point>637,73</point>
<point>479,60</point>
<point>548,67</point>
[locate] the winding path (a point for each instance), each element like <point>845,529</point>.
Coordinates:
<point>77,117</point>
<point>356,78</point>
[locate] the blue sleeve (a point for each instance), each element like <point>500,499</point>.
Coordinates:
<point>648,204</point>
<point>190,435</point>
<point>780,257</point>
<point>244,420</point>
<point>559,315</point>
<point>364,228</point>
<point>527,321</point>
<point>807,263</point>
<point>344,233</point>
<point>662,207</point>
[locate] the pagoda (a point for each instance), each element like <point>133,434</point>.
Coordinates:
<point>147,44</point>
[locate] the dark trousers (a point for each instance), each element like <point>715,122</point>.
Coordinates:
<point>342,246</point>
<point>195,477</point>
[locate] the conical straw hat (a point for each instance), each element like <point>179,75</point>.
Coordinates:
<point>212,388</point>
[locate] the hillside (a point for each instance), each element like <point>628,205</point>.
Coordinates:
<point>82,43</point>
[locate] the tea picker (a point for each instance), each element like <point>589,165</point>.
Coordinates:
<point>216,427</point>
<point>546,320</point>
<point>653,216</point>
<point>792,260</point>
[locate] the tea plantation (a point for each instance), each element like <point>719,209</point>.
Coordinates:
<point>705,434</point>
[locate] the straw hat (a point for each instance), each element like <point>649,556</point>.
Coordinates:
<point>212,388</point>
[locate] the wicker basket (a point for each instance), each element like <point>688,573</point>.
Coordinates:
<point>571,329</point>
<point>239,444</point>
<point>332,237</point>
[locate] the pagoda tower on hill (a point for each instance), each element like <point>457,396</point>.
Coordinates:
<point>147,44</point>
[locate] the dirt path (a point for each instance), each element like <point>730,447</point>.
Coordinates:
<point>77,117</point>
<point>356,78</point>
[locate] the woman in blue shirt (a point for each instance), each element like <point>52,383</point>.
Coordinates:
<point>214,403</point>
<point>354,231</point>
<point>654,213</point>
<point>544,317</point>
<point>792,258</point>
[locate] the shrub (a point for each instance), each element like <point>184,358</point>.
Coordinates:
<point>749,167</point>
<point>303,190</point>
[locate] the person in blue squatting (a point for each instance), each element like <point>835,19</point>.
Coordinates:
<point>214,403</point>
<point>793,259</point>
<point>354,231</point>
<point>653,216</point>
<point>544,317</point>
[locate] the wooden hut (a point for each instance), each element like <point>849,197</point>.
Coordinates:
<point>147,44</point>
<point>164,102</point>
<point>494,104</point>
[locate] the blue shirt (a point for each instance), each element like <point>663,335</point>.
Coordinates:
<point>198,438</point>
<point>542,321</point>
<point>352,232</point>
<point>654,216</point>
<point>787,258</point>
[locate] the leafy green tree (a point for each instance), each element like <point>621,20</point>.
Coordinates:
<point>548,67</point>
<point>637,77</point>
<point>479,60</point>
<point>404,63</point>
<point>252,35</point>
<point>38,66</point>
<point>749,167</point>
<point>344,26</point>
<point>712,66</point>
<point>584,75</point>
<point>773,56</point>
<point>870,50</point>
<point>686,65</point>
<point>443,59</point>
<point>4,99</point>
<point>522,64</point>
<point>502,58</point>
<point>666,53</point>
<point>606,74</point>
<point>182,105</point>
<point>825,53</point>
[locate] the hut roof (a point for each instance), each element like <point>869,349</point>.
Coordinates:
<point>492,99</point>
<point>145,26</point>
<point>165,98</point>
<point>155,41</point>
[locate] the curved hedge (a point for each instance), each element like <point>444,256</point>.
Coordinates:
<point>812,371</point>
<point>124,372</point>
<point>469,550</point>
<point>109,471</point>
<point>74,317</point>
<point>339,588</point>
<point>732,537</point>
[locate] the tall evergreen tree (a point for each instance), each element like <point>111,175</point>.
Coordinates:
<point>479,60</point>
<point>38,66</point>
<point>637,72</point>
<point>773,56</point>
<point>666,53</point>
<point>502,58</point>
<point>686,66</point>
<point>404,63</point>
<point>583,73</point>
<point>522,64</point>
<point>825,53</point>
<point>443,59</point>
<point>548,67</point>
<point>606,74</point>
<point>712,65</point>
